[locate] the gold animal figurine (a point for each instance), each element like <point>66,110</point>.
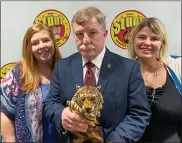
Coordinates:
<point>87,102</point>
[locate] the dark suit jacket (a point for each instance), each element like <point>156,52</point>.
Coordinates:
<point>125,112</point>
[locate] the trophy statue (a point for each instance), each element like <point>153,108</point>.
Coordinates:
<point>87,102</point>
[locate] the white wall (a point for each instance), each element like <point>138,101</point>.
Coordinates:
<point>17,16</point>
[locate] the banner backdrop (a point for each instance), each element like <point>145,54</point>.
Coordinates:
<point>121,16</point>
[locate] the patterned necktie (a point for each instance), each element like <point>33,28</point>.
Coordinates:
<point>89,75</point>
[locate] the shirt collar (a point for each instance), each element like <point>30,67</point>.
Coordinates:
<point>97,61</point>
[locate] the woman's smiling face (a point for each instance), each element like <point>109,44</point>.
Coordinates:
<point>147,45</point>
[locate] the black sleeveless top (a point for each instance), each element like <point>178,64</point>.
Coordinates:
<point>165,122</point>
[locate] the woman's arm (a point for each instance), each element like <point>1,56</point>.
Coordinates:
<point>9,90</point>
<point>7,129</point>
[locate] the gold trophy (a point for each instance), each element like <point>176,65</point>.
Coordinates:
<point>87,102</point>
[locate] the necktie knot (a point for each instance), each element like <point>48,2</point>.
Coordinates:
<point>90,79</point>
<point>89,65</point>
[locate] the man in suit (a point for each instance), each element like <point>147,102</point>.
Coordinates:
<point>125,112</point>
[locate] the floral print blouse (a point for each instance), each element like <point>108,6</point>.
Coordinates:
<point>23,108</point>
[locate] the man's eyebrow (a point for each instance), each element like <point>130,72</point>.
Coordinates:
<point>92,29</point>
<point>80,30</point>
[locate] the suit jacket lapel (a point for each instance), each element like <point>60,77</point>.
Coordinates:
<point>77,70</point>
<point>108,65</point>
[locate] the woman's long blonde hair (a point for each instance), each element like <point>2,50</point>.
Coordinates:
<point>30,75</point>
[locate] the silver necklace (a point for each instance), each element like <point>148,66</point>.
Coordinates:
<point>154,83</point>
<point>153,97</point>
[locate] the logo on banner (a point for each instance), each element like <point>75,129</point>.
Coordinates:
<point>122,26</point>
<point>5,69</point>
<point>58,23</point>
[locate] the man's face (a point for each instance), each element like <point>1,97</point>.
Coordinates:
<point>90,38</point>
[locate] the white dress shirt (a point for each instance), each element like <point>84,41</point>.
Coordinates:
<point>97,62</point>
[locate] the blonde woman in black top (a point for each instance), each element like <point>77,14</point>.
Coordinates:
<point>162,76</point>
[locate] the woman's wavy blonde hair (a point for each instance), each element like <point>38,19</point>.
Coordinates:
<point>30,76</point>
<point>156,26</point>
